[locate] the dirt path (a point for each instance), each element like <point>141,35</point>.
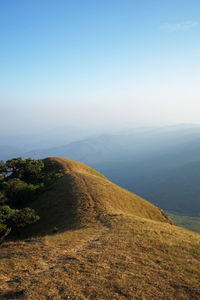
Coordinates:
<point>94,206</point>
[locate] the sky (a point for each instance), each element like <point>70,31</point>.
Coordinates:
<point>108,63</point>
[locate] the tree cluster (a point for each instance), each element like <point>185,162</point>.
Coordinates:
<point>29,170</point>
<point>21,180</point>
<point>15,219</point>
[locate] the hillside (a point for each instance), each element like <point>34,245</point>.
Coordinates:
<point>110,244</point>
<point>84,196</point>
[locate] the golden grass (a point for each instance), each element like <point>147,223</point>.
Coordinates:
<point>135,258</point>
<point>84,196</point>
<point>111,244</point>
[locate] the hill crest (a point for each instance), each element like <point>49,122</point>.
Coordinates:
<point>84,196</point>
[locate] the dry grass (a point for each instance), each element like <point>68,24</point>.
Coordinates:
<point>119,247</point>
<point>81,197</point>
<point>134,259</point>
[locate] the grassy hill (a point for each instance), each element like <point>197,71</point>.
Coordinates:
<point>110,244</point>
<point>85,196</point>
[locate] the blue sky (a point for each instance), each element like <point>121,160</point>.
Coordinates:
<point>90,63</point>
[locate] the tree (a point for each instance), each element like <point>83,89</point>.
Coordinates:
<point>23,217</point>
<point>14,166</point>
<point>29,170</point>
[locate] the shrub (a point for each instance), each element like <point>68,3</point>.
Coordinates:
<point>12,220</point>
<point>24,217</point>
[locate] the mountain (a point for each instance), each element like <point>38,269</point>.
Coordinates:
<point>135,145</point>
<point>109,244</point>
<point>49,138</point>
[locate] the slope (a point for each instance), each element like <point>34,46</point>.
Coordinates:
<point>135,258</point>
<point>119,246</point>
<point>85,196</point>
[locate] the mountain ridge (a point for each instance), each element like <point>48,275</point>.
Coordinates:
<point>84,196</point>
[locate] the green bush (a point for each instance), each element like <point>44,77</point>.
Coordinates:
<point>24,217</point>
<point>12,220</point>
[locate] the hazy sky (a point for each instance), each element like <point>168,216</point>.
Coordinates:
<point>98,62</point>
